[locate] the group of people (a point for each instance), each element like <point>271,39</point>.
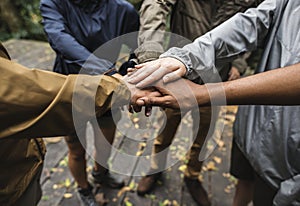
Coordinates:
<point>266,138</point>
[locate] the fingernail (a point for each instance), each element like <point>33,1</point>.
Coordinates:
<point>138,85</point>
<point>165,79</point>
<point>140,102</point>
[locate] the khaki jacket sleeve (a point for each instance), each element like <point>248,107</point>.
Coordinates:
<point>36,103</point>
<point>153,22</point>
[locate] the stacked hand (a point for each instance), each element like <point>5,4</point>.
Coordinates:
<point>160,83</point>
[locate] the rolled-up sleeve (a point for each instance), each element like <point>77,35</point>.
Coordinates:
<point>153,25</point>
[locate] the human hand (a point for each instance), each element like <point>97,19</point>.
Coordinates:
<point>168,69</point>
<point>179,94</point>
<point>234,74</point>
<point>137,95</point>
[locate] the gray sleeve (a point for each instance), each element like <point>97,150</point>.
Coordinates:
<point>288,193</point>
<point>242,33</point>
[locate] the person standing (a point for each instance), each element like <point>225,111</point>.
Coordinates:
<point>268,136</point>
<point>32,101</point>
<point>190,19</point>
<point>75,30</point>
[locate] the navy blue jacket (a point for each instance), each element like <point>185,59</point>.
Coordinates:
<point>77,28</point>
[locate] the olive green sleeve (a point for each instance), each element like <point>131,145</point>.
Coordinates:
<point>36,103</point>
<point>153,19</point>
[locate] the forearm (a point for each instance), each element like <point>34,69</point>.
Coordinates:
<point>276,87</point>
<point>64,42</point>
<point>153,24</point>
<point>36,103</point>
<point>241,33</point>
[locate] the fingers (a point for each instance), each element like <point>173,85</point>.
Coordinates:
<point>148,110</point>
<point>137,102</point>
<point>162,101</point>
<point>174,75</point>
<point>141,73</point>
<point>233,76</point>
<point>150,79</point>
<point>138,107</point>
<point>130,71</point>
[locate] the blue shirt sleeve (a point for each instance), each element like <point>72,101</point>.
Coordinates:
<point>65,44</point>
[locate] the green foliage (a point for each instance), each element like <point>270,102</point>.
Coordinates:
<point>30,21</point>
<point>136,3</point>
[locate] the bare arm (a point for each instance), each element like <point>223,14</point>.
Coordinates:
<point>242,33</point>
<point>276,87</point>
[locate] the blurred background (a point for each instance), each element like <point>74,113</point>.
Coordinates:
<point>22,20</point>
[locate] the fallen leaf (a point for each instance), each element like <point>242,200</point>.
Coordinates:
<point>67,182</point>
<point>182,168</point>
<point>127,202</point>
<point>55,169</point>
<point>139,153</point>
<point>175,203</point>
<point>68,195</point>
<point>123,190</point>
<point>211,166</point>
<point>166,202</point>
<point>132,185</point>
<point>135,120</point>
<point>218,160</point>
<point>45,197</point>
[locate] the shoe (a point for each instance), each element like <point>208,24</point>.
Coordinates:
<point>86,197</point>
<point>197,191</point>
<point>147,183</point>
<point>108,179</point>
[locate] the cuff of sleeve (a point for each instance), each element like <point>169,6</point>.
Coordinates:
<point>148,51</point>
<point>112,92</point>
<point>183,56</point>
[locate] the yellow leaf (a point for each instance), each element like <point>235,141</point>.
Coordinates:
<point>123,190</point>
<point>67,182</point>
<point>182,168</point>
<point>166,202</point>
<point>175,203</point>
<point>135,120</point>
<point>68,195</point>
<point>139,153</point>
<point>218,160</point>
<point>220,143</point>
<point>211,166</point>
<point>132,185</point>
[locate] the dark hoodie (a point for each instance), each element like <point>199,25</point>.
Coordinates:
<point>76,28</point>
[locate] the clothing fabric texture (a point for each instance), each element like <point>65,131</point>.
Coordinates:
<point>153,27</point>
<point>190,19</point>
<point>76,29</point>
<point>269,136</point>
<point>36,103</point>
